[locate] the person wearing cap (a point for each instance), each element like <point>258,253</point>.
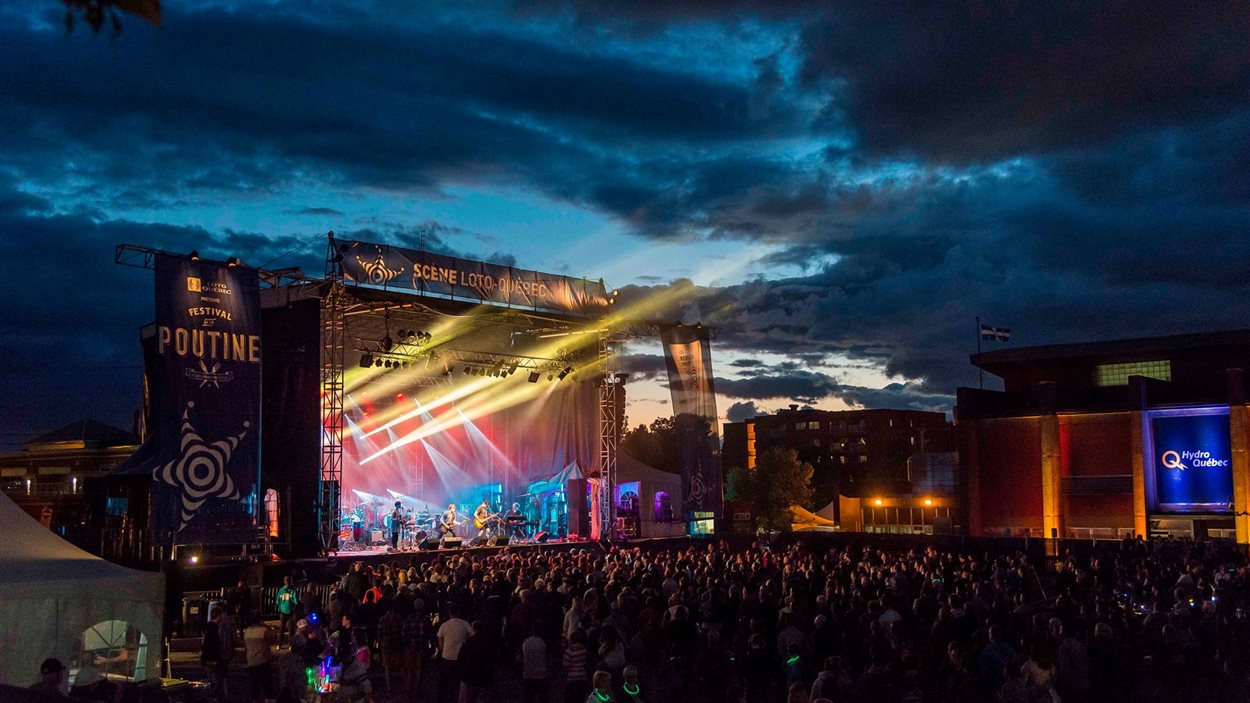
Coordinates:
<point>51,677</point>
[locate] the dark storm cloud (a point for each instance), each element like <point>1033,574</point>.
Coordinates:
<point>642,367</point>
<point>743,410</point>
<point>390,107</point>
<point>806,387</point>
<point>318,211</point>
<point>964,81</point>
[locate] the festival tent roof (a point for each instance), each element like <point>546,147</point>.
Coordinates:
<point>52,592</point>
<point>558,481</point>
<point>803,519</point>
<point>630,469</point>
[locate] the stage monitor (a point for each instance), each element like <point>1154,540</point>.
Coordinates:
<point>1191,456</point>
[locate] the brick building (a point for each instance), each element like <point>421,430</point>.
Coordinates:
<point>852,452</point>
<point>1105,439</point>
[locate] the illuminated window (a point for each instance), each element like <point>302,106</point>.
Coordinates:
<point>863,458</point>
<point>271,511</point>
<point>1117,374</point>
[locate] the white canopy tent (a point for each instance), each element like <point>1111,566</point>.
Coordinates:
<point>658,493</point>
<point>57,600</point>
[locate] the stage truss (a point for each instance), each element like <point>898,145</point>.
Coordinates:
<point>333,347</point>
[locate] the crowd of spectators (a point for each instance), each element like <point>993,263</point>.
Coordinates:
<point>795,622</point>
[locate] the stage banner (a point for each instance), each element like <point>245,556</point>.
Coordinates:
<point>688,354</point>
<point>388,266</point>
<point>203,444</point>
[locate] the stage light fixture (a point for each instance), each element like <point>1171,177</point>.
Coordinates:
<point>534,376</point>
<point>565,372</point>
<point>195,255</point>
<point>377,363</point>
<point>551,377</point>
<point>233,261</point>
<point>387,343</point>
<point>366,360</point>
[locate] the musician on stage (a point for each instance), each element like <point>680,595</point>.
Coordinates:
<point>535,514</point>
<point>397,523</point>
<point>516,521</point>
<point>448,526</point>
<point>481,519</point>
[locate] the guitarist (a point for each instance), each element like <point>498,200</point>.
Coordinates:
<point>448,525</point>
<point>481,519</point>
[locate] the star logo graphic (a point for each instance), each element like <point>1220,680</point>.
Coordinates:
<point>199,472</point>
<point>377,271</point>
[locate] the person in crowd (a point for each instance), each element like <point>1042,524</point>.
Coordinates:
<point>258,642</point>
<point>576,668</point>
<point>51,678</point>
<point>534,676</point>
<point>287,602</point>
<point>476,664</point>
<point>452,634</point>
<point>212,658</point>
<point>601,688</point>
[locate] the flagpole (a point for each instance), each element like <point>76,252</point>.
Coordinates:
<point>980,371</point>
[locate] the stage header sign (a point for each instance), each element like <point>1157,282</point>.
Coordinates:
<point>388,266</point>
<point>1193,461</point>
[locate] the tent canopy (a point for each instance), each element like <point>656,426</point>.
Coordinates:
<point>51,592</point>
<point>558,481</point>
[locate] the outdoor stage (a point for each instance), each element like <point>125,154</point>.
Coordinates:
<point>404,385</point>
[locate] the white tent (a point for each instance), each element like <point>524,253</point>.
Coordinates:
<point>558,481</point>
<point>659,497</point>
<point>58,601</point>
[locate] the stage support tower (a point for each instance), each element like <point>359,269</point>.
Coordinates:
<point>333,336</point>
<point>609,436</point>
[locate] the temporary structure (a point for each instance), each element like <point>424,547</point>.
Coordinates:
<point>656,494</point>
<point>57,600</point>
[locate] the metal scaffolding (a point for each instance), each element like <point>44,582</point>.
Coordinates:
<point>333,344</point>
<point>609,436</point>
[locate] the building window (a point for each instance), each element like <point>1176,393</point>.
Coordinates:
<point>1117,374</point>
<point>816,442</point>
<point>863,458</point>
<point>777,433</point>
<point>842,458</point>
<point>913,440</point>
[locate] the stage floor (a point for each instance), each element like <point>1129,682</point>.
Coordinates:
<point>465,547</point>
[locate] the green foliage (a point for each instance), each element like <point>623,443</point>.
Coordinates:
<point>778,481</point>
<point>654,444</point>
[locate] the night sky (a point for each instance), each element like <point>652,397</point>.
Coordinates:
<point>841,187</point>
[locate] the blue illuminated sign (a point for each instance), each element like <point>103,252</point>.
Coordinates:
<point>1193,461</point>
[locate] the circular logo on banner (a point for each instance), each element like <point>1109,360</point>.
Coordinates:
<point>1172,460</point>
<point>200,470</point>
<point>697,489</point>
